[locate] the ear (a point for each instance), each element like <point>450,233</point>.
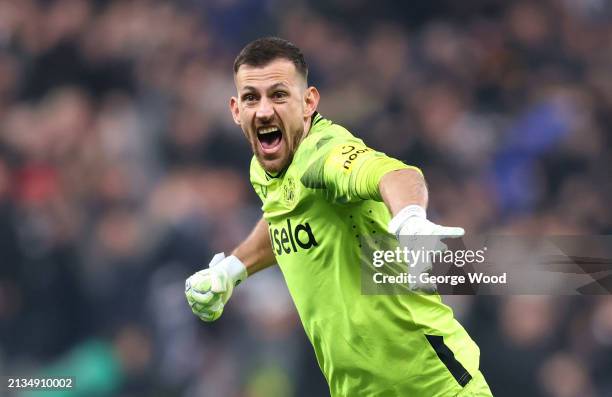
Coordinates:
<point>311,101</point>
<point>235,109</point>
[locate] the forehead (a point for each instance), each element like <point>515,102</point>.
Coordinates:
<point>277,71</point>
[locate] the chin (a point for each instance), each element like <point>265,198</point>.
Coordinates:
<point>272,166</point>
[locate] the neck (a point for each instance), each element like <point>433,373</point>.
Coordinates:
<point>308,125</point>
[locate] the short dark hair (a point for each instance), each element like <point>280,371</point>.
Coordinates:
<point>267,49</point>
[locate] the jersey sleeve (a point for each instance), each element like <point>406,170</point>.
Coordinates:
<point>352,171</point>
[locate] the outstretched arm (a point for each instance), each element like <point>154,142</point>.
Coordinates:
<point>405,194</point>
<point>402,188</point>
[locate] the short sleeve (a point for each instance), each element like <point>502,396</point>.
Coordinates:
<point>352,171</point>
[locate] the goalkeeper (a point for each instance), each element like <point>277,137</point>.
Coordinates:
<point>322,189</point>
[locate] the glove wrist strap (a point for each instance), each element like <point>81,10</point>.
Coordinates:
<point>235,269</point>
<point>405,213</point>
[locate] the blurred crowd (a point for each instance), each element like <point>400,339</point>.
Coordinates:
<point>121,173</point>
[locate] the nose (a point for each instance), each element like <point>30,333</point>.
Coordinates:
<point>265,111</point>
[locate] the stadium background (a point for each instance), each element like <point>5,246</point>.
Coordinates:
<point>121,173</point>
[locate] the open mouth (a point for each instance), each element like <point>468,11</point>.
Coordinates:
<point>269,138</point>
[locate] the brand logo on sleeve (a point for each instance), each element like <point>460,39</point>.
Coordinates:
<point>288,238</point>
<point>350,153</point>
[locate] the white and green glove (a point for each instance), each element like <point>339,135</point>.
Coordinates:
<point>208,290</point>
<point>415,232</point>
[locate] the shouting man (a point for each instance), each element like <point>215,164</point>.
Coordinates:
<point>323,189</point>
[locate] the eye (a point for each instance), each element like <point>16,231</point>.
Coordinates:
<point>249,98</point>
<point>279,95</point>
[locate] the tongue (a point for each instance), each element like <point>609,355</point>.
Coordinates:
<point>269,141</point>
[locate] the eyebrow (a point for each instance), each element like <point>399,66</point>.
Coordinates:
<point>249,88</point>
<point>278,85</point>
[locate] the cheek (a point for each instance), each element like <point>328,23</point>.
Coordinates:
<point>295,115</point>
<point>246,118</point>
<point>244,115</point>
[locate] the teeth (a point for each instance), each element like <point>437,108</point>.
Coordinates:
<point>266,130</point>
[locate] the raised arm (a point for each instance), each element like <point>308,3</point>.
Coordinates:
<point>208,290</point>
<point>255,252</point>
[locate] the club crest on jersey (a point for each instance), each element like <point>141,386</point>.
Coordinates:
<point>289,190</point>
<point>288,239</point>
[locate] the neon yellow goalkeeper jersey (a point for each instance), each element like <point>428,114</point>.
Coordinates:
<point>366,345</point>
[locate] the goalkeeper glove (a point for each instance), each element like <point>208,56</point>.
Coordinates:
<point>415,232</point>
<point>208,290</point>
